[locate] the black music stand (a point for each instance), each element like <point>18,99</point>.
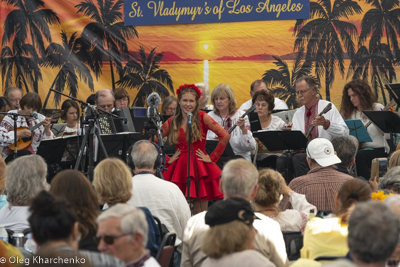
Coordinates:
<point>358,130</point>
<point>52,150</point>
<point>282,140</point>
<point>387,122</point>
<point>117,144</point>
<point>255,124</point>
<point>212,144</point>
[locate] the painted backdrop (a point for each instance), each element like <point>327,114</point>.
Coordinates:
<point>80,46</point>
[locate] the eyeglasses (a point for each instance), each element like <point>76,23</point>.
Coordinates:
<point>108,239</point>
<point>14,100</point>
<point>171,109</point>
<point>122,100</point>
<point>302,92</point>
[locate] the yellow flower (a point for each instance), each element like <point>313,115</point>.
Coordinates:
<point>380,195</point>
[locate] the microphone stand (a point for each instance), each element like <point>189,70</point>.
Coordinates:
<point>189,154</point>
<point>89,131</point>
<point>15,116</point>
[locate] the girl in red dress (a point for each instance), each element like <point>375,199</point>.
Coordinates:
<point>204,173</point>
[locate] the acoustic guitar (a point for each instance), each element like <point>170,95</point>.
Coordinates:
<point>25,142</point>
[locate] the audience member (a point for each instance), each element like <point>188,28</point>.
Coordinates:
<point>3,197</point>
<point>391,180</point>
<point>271,186</point>
<point>25,178</point>
<point>327,237</point>
<point>122,233</point>
<point>226,114</point>
<point>259,85</point>
<point>55,228</point>
<point>76,189</point>
<point>122,99</point>
<point>113,184</point>
<point>238,180</point>
<point>393,160</point>
<point>322,183</point>
<point>373,236</point>
<point>170,205</point>
<point>393,202</point>
<point>230,240</point>
<point>104,99</point>
<point>14,96</point>
<point>346,150</point>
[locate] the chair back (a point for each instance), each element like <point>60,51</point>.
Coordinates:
<point>166,250</point>
<point>293,243</point>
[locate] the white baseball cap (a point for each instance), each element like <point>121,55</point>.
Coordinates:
<point>321,150</point>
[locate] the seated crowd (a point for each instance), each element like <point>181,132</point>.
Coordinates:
<point>317,207</point>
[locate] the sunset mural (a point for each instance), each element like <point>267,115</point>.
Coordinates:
<point>236,53</point>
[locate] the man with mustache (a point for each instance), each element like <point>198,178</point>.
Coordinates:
<point>327,126</point>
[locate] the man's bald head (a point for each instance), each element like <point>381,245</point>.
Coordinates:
<point>105,99</point>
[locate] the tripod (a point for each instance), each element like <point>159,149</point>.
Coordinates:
<point>90,130</point>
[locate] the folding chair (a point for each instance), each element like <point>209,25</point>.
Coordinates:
<point>166,250</point>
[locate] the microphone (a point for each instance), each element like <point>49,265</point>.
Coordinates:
<point>153,100</point>
<point>190,115</point>
<point>34,114</point>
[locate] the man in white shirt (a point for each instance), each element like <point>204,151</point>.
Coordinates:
<point>164,199</point>
<point>239,179</point>
<point>327,126</point>
<point>259,85</point>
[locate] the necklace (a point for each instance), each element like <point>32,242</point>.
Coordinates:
<point>223,120</point>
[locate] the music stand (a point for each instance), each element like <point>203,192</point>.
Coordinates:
<point>52,150</point>
<point>212,144</point>
<point>117,144</point>
<point>357,129</point>
<point>282,140</point>
<point>387,122</point>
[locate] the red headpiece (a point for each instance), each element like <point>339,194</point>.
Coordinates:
<point>187,86</point>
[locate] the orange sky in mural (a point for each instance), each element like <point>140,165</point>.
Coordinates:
<point>238,39</point>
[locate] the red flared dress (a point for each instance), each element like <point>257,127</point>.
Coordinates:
<point>204,176</point>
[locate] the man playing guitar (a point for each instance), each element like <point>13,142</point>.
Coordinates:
<point>28,127</point>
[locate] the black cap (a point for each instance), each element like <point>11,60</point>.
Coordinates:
<point>229,210</point>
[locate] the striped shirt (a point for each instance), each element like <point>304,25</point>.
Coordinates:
<point>319,185</point>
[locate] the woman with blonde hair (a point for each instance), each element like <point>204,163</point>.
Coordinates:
<point>226,114</point>
<point>271,186</point>
<point>230,239</point>
<point>112,182</point>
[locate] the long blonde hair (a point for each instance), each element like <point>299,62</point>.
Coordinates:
<point>177,120</point>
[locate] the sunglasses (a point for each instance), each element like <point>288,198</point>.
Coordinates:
<point>108,239</point>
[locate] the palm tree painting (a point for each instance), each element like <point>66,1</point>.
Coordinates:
<point>377,62</point>
<point>144,74</point>
<point>29,20</point>
<point>106,36</point>
<point>282,83</point>
<point>21,62</point>
<point>325,35</point>
<point>65,57</point>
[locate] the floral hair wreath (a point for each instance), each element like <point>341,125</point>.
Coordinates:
<point>187,86</point>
